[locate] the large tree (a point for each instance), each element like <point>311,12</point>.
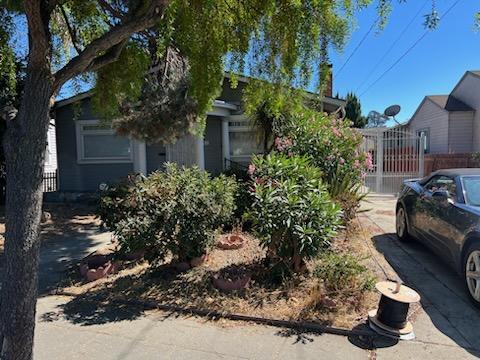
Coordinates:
<point>353,111</point>
<point>111,42</point>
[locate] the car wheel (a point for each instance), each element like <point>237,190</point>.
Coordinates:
<point>401,224</point>
<point>472,272</point>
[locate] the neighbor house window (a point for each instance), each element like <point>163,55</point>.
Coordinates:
<point>243,142</point>
<point>97,143</point>
<point>426,134</point>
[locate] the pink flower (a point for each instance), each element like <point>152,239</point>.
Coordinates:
<point>336,132</point>
<point>363,174</point>
<point>251,169</point>
<point>282,144</point>
<point>356,163</point>
<point>368,161</point>
<point>342,161</point>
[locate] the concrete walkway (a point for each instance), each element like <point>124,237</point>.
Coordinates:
<point>448,325</point>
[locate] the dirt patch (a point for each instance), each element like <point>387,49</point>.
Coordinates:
<point>300,298</point>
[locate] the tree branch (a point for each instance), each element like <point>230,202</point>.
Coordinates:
<point>71,31</point>
<point>98,48</point>
<point>106,6</point>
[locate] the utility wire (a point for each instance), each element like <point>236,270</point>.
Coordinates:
<point>357,47</point>
<point>407,51</point>
<point>392,46</point>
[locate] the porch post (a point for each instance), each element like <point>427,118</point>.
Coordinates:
<point>140,157</point>
<point>200,152</point>
<point>225,143</point>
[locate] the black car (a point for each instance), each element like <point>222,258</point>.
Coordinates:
<point>443,211</point>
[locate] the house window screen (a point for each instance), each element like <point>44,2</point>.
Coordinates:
<point>99,144</point>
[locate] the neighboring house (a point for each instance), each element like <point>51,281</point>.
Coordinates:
<point>89,154</point>
<point>451,123</point>
<point>51,153</point>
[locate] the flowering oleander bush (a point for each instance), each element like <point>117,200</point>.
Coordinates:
<point>173,212</point>
<point>333,147</point>
<point>292,211</point>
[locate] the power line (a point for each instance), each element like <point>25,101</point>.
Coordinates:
<point>391,47</point>
<point>357,47</point>
<point>407,51</point>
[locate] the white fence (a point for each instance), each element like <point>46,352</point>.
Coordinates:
<point>397,155</point>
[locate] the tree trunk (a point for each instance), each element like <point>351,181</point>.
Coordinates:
<point>25,145</point>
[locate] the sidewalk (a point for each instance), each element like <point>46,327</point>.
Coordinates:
<point>158,336</point>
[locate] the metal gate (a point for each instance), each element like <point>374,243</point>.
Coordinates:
<point>397,155</point>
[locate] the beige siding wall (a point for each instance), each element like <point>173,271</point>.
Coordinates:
<point>460,135</point>
<point>432,117</point>
<point>468,91</point>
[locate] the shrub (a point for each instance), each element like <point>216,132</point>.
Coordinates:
<point>332,146</point>
<point>291,210</point>
<point>173,212</point>
<point>343,272</point>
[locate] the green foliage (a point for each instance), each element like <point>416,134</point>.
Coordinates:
<point>120,81</point>
<point>353,110</point>
<point>173,212</point>
<point>291,211</point>
<point>331,144</point>
<point>343,272</point>
<point>8,67</point>
<point>253,34</point>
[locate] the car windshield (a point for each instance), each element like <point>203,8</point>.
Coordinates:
<point>471,186</point>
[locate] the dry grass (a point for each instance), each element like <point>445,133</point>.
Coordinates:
<point>300,298</point>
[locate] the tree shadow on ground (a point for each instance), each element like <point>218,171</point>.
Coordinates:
<point>70,232</point>
<point>443,297</point>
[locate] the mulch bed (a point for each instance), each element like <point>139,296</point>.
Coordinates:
<point>300,298</point>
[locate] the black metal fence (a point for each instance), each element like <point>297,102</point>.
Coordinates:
<point>50,181</point>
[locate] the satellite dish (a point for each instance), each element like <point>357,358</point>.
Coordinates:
<point>392,111</point>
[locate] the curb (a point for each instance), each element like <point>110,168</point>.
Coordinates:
<point>213,315</point>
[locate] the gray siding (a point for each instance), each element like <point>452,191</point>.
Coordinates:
<point>430,116</point>
<point>213,145</point>
<point>81,177</point>
<point>468,91</point>
<point>156,157</point>
<point>460,133</point>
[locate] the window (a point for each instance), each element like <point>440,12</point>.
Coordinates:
<point>243,142</point>
<point>97,143</point>
<point>471,188</point>
<point>442,182</point>
<point>426,134</point>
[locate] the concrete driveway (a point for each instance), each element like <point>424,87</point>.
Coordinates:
<point>447,325</point>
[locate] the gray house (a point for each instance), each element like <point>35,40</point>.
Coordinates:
<point>451,123</point>
<point>88,154</point>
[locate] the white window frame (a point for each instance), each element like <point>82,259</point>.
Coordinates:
<point>80,132</point>
<point>240,126</point>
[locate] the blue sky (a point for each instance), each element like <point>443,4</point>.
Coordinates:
<point>434,66</point>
